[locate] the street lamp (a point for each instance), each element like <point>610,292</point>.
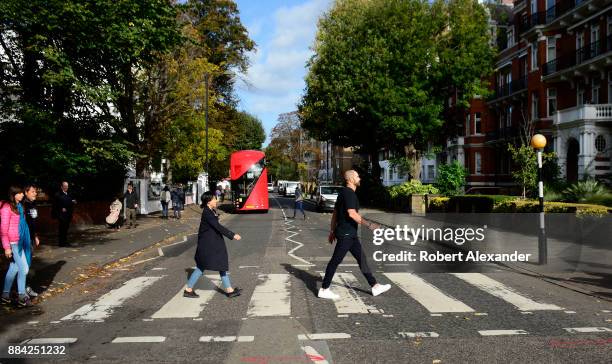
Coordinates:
<point>538,142</point>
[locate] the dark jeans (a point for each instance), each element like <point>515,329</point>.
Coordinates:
<point>298,205</point>
<point>344,245</point>
<point>64,224</point>
<point>164,206</point>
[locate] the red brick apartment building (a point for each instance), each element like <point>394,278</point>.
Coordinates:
<point>554,72</point>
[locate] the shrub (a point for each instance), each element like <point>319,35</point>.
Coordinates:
<point>451,178</point>
<point>519,205</point>
<point>584,191</point>
<point>411,188</point>
<point>438,204</point>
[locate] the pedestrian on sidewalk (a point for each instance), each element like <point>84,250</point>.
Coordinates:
<point>218,193</point>
<point>62,210</point>
<point>131,204</point>
<point>15,236</point>
<point>165,199</point>
<point>211,253</point>
<point>31,215</point>
<point>114,218</point>
<point>299,201</point>
<point>344,229</point>
<point>178,201</point>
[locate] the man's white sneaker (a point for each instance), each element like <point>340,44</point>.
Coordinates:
<point>380,289</point>
<point>327,293</point>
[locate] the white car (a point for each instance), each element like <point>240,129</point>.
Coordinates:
<point>326,196</point>
<point>270,187</point>
<point>290,187</point>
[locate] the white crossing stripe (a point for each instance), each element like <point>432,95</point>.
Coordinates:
<point>325,336</point>
<point>239,339</point>
<point>349,301</point>
<point>106,304</point>
<point>581,330</point>
<point>502,332</point>
<point>418,334</point>
<point>504,292</point>
<point>184,307</point>
<point>427,295</point>
<point>138,339</point>
<point>51,340</point>
<point>272,296</point>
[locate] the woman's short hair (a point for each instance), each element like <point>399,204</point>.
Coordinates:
<point>206,198</point>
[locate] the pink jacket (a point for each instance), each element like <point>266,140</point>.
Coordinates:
<point>9,227</point>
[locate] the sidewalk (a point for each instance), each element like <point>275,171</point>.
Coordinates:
<point>585,267</point>
<point>55,267</point>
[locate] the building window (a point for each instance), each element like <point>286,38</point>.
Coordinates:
<point>382,174</point>
<point>552,101</point>
<point>534,56</point>
<point>535,105</point>
<point>534,6</point>
<point>510,36</point>
<point>600,143</point>
<point>478,163</point>
<point>551,49</point>
<point>509,116</point>
<point>579,46</point>
<point>610,87</point>
<point>477,123</point>
<point>595,91</point>
<point>502,118</point>
<point>467,124</point>
<point>431,173</point>
<point>580,96</point>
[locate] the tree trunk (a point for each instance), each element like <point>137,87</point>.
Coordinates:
<point>375,166</point>
<point>414,156</point>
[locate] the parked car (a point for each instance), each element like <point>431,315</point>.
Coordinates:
<point>281,187</point>
<point>270,187</point>
<point>290,187</point>
<point>325,197</point>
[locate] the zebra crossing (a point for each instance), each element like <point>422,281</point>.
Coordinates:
<point>272,297</point>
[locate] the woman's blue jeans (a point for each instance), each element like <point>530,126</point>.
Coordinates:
<point>18,267</point>
<point>197,273</point>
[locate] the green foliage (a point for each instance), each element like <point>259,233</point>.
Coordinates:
<point>451,178</point>
<point>414,187</point>
<point>585,191</point>
<point>382,70</point>
<point>525,162</point>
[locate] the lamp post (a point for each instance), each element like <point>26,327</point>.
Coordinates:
<point>206,118</point>
<point>538,142</point>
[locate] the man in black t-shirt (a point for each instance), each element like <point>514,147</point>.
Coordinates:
<point>344,229</point>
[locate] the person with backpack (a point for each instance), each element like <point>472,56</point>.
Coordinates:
<point>165,199</point>
<point>178,201</point>
<point>15,236</point>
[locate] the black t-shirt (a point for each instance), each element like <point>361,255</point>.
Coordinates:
<point>347,199</point>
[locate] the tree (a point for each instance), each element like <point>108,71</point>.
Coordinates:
<point>382,71</point>
<point>451,178</point>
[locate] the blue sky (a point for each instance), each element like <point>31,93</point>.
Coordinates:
<point>284,32</point>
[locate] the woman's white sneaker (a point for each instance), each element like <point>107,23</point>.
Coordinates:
<point>327,293</point>
<point>380,289</point>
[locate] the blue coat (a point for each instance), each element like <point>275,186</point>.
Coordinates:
<point>211,253</point>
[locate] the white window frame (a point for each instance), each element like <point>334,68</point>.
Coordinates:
<point>534,56</point>
<point>477,122</point>
<point>551,98</point>
<point>510,37</point>
<point>534,6</point>
<point>535,106</point>
<point>595,35</point>
<point>477,163</point>
<point>551,40</point>
<point>509,116</point>
<point>468,121</point>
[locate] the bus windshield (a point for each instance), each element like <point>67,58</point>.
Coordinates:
<point>243,186</point>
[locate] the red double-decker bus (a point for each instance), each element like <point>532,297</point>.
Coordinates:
<point>249,177</point>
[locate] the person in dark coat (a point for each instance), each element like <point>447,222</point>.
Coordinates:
<point>211,253</point>
<point>63,207</point>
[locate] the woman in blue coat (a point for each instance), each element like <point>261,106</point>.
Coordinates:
<point>211,253</point>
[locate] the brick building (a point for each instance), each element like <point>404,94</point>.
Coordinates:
<point>553,74</point>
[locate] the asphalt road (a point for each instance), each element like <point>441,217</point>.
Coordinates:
<point>136,313</point>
